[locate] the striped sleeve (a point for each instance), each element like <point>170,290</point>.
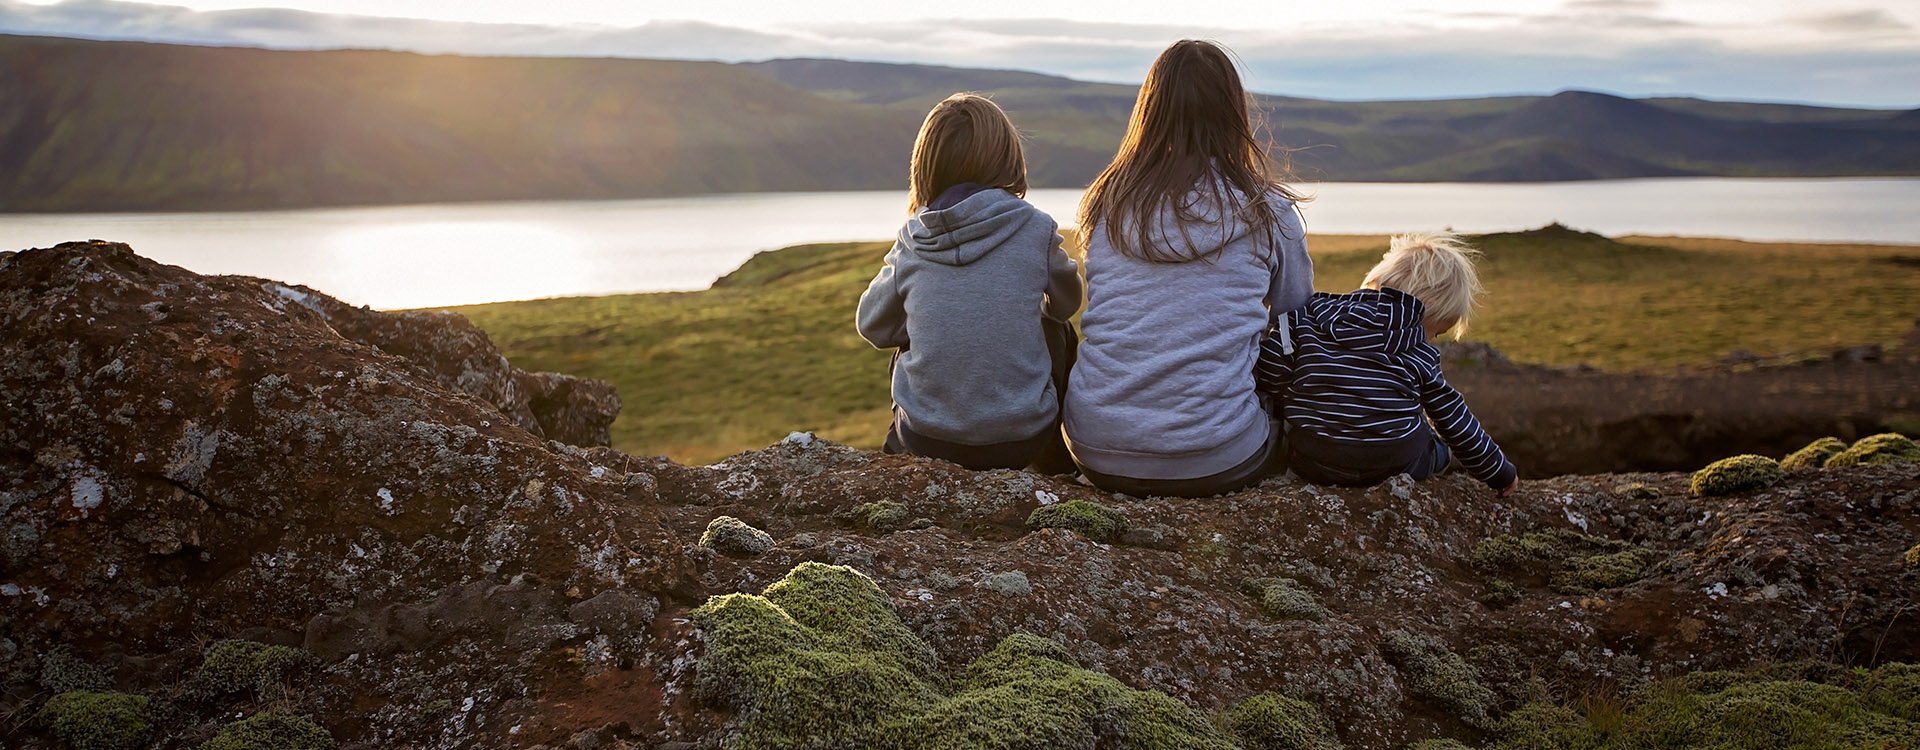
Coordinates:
<point>1460,431</point>
<point>1274,370</point>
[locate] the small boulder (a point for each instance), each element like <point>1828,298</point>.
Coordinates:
<point>733,537</point>
<point>615,611</point>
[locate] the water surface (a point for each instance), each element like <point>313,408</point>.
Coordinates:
<point>446,254</point>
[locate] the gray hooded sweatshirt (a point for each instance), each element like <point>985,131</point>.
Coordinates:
<point>964,288</point>
<point>1164,385</point>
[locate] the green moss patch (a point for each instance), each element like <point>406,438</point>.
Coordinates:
<point>1595,572</point>
<point>1885,448</point>
<point>1091,520</point>
<point>1284,598</point>
<point>91,720</point>
<point>1743,473</point>
<point>1912,557</point>
<point>1817,707</point>
<point>1569,561</point>
<point>820,659</point>
<point>1813,456</point>
<point>235,666</point>
<point>880,515</point>
<point>1270,721</point>
<point>272,730</point>
<point>1436,673</point>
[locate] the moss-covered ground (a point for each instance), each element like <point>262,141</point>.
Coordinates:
<point>1817,708</point>
<point>820,660</point>
<point>772,349</point>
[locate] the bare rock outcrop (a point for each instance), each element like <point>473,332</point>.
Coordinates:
<point>188,458</point>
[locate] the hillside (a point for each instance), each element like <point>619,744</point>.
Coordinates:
<point>125,126</point>
<point>242,514</point>
<point>690,364</point>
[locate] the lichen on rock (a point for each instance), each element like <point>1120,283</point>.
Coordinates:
<point>819,659</point>
<point>1873,450</point>
<point>93,720</point>
<point>732,536</point>
<point>61,672</point>
<point>1091,520</point>
<point>1743,473</point>
<point>272,730</point>
<point>1813,456</point>
<point>1271,721</point>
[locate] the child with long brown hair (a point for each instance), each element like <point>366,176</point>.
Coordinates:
<point>1194,248</point>
<point>974,294</point>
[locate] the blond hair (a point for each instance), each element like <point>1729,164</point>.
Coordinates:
<point>1435,268</point>
<point>966,138</point>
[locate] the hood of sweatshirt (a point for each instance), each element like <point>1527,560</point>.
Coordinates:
<point>1367,320</point>
<point>966,231</point>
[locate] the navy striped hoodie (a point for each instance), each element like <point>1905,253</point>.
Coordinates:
<point>1356,369</point>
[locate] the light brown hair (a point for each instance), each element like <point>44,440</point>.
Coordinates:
<point>1191,130</point>
<point>966,138</point>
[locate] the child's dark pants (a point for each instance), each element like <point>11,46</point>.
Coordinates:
<point>1324,461</point>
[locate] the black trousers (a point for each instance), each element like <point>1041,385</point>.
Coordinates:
<point>1323,461</point>
<point>1270,459</point>
<point>1045,452</point>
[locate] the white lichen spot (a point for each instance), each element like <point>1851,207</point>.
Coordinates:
<point>295,296</point>
<point>598,472</point>
<point>88,494</point>
<point>466,705</point>
<point>1566,605</point>
<point>386,500</point>
<point>1717,590</point>
<point>140,458</point>
<point>10,589</point>
<point>1045,497</point>
<point>802,439</point>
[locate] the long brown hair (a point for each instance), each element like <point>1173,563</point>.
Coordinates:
<point>966,138</point>
<point>1191,131</point>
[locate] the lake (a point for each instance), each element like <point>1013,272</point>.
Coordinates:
<point>430,255</point>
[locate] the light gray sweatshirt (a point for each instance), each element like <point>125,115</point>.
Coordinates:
<point>1164,385</point>
<point>964,289</point>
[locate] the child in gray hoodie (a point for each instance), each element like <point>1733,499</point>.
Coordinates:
<point>975,294</point>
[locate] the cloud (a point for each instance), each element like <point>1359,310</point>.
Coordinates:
<point>1622,46</point>
<point>1851,22</point>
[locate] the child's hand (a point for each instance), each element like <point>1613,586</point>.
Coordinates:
<point>1508,490</point>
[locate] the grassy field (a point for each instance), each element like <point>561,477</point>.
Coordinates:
<point>771,348</point>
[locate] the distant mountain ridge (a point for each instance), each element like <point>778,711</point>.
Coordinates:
<point>127,126</point>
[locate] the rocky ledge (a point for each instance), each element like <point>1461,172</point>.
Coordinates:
<point>236,513</point>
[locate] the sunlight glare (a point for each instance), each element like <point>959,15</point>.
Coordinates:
<point>423,264</point>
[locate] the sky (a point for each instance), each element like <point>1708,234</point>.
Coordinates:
<point>1833,51</point>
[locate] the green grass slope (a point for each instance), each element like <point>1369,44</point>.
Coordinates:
<point>124,126</point>
<point>771,348</point>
